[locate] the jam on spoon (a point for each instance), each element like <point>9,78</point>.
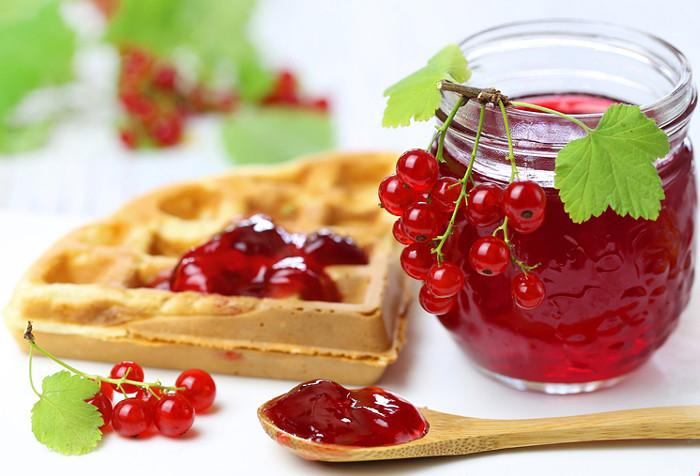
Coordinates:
<point>326,412</point>
<point>255,257</point>
<point>322,421</point>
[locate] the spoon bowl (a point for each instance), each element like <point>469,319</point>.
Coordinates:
<point>452,435</point>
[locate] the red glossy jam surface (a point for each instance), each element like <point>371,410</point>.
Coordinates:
<point>257,258</point>
<point>325,412</point>
<point>570,103</point>
<point>614,286</point>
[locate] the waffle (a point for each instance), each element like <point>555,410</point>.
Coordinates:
<point>88,297</point>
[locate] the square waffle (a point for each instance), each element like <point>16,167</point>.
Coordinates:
<point>88,297</point>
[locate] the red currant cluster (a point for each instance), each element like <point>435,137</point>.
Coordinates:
<point>426,202</point>
<point>523,205</point>
<point>285,92</point>
<point>172,413</point>
<point>157,102</point>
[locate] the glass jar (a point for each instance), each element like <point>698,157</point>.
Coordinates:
<point>615,286</point>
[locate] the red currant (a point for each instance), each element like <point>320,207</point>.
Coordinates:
<point>150,396</point>
<point>524,204</point>
<point>484,205</point>
<point>444,281</point>
<point>445,194</point>
<point>420,222</point>
<point>287,86</point>
<point>395,195</point>
<point>174,415</point>
<point>104,406</point>
<point>167,130</point>
<point>107,390</point>
<point>285,90</point>
<point>129,138</point>
<point>320,105</point>
<point>528,291</point>
<point>135,372</point>
<point>418,168</point>
<point>164,77</point>
<point>137,104</point>
<point>400,234</point>
<point>131,417</point>
<point>489,255</point>
<point>136,63</point>
<point>200,388</point>
<point>433,304</point>
<point>416,260</point>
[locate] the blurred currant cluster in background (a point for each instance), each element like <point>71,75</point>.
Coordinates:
<point>175,60</point>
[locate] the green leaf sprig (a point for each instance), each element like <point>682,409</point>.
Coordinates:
<point>62,419</point>
<point>417,96</point>
<point>613,166</point>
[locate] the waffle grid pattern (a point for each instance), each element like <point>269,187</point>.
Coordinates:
<point>92,280</point>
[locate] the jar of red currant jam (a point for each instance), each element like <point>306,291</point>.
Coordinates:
<point>615,286</point>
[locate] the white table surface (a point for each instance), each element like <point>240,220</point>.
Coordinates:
<point>366,45</point>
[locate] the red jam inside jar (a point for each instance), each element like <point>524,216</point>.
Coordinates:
<point>326,412</point>
<point>570,103</point>
<point>255,257</point>
<point>615,286</point>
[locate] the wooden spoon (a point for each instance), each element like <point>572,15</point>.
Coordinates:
<point>451,435</point>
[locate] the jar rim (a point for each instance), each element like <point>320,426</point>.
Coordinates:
<point>680,87</point>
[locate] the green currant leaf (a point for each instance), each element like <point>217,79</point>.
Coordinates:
<point>155,25</point>
<point>62,420</point>
<point>274,134</point>
<point>218,29</point>
<point>36,49</point>
<point>255,80</point>
<point>417,96</point>
<point>613,166</point>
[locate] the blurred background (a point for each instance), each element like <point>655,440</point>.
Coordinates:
<point>103,99</point>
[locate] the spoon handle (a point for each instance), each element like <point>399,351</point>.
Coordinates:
<point>645,423</point>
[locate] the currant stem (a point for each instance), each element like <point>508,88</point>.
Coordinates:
<point>494,96</point>
<point>503,227</point>
<point>511,155</point>
<point>442,130</point>
<point>34,345</point>
<point>432,140</point>
<point>472,158</point>
<point>31,379</point>
<point>552,111</point>
<point>116,381</point>
<point>463,190</point>
<point>483,95</point>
